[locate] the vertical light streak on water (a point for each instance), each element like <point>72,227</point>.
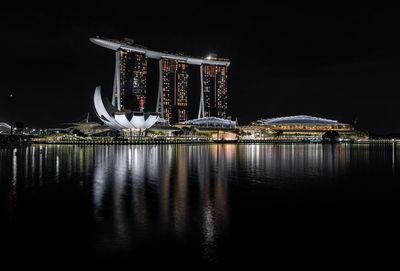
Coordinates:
<point>130,157</point>
<point>337,155</point>
<point>226,162</point>
<point>33,164</point>
<point>293,157</point>
<point>227,167</point>
<point>87,164</point>
<point>329,159</point>
<point>332,155</point>
<point>138,177</point>
<point>209,232</point>
<point>318,154</point>
<point>57,167</point>
<point>69,163</point>
<point>40,164</point>
<point>180,199</point>
<point>100,179</point>
<point>206,204</point>
<point>393,158</point>
<point>15,168</point>
<point>120,178</point>
<point>45,166</point>
<point>26,163</point>
<point>81,160</point>
<point>164,170</point>
<point>13,188</point>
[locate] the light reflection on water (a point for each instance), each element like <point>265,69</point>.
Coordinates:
<point>176,192</point>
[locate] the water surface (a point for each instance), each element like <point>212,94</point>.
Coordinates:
<point>206,204</point>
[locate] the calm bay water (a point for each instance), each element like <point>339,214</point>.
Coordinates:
<point>201,204</point>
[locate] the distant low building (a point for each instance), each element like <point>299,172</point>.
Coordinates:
<point>226,136</point>
<point>209,122</point>
<point>88,128</point>
<point>299,127</point>
<point>303,123</point>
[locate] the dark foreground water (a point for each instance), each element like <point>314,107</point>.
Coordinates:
<point>200,204</point>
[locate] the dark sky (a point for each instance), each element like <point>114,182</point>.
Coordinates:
<point>335,61</point>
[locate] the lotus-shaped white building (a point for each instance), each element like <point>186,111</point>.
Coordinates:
<point>4,128</point>
<point>119,120</point>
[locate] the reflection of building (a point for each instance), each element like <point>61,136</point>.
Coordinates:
<point>293,162</point>
<point>215,90</point>
<point>149,193</point>
<point>174,100</point>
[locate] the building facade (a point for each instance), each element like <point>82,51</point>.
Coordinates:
<point>129,93</point>
<point>215,90</point>
<point>302,123</point>
<point>300,127</point>
<point>133,76</point>
<point>174,90</point>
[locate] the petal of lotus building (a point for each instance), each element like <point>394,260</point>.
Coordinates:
<point>120,120</point>
<point>4,128</point>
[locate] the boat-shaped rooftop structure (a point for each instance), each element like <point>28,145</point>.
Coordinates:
<point>128,45</point>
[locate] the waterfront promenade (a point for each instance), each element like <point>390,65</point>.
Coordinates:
<point>149,141</point>
<point>23,140</point>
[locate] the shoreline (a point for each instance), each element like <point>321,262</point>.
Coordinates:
<point>197,141</point>
<point>202,142</point>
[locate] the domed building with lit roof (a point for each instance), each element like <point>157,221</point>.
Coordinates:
<point>300,127</point>
<point>303,123</point>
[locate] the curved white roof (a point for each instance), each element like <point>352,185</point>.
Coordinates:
<point>116,45</point>
<point>122,120</point>
<point>300,119</point>
<point>211,122</point>
<point>5,125</point>
<point>102,112</point>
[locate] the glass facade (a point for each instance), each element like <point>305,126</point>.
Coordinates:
<point>130,81</point>
<point>175,90</point>
<point>215,90</point>
<point>133,76</point>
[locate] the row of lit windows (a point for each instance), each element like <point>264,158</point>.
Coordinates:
<point>172,65</point>
<point>139,71</point>
<point>182,116</point>
<point>213,71</point>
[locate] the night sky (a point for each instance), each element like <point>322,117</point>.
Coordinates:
<point>335,61</point>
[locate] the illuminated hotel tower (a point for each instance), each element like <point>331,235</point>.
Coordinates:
<point>133,75</point>
<point>129,92</point>
<point>173,97</point>
<point>214,98</point>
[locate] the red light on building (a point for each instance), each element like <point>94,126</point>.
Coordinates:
<point>141,102</point>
